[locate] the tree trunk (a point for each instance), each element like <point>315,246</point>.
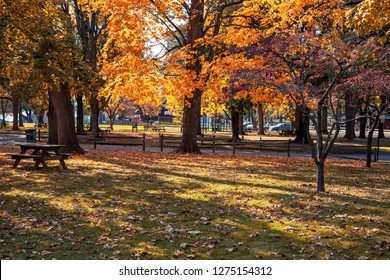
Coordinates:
<point>112,122</point>
<point>381,130</point>
<point>370,140</point>
<point>363,124</point>
<point>15,112</point>
<point>369,147</point>
<point>350,114</point>
<point>80,113</point>
<point>235,121</point>
<point>62,128</point>
<point>303,128</point>
<point>191,115</point>
<point>189,142</point>
<point>324,124</point>
<point>52,122</point>
<point>199,130</point>
<point>254,121</point>
<point>261,119</point>
<point>241,124</point>
<point>20,113</point>
<point>4,104</point>
<point>94,123</point>
<point>41,115</point>
<point>320,176</point>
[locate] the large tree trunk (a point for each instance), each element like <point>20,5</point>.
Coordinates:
<point>235,124</point>
<point>62,120</point>
<point>80,113</point>
<point>241,124</point>
<point>363,124</point>
<point>303,128</point>
<point>52,122</point>
<point>15,112</point>
<point>191,115</point>
<point>350,114</point>
<point>94,123</point>
<point>190,124</point>
<point>4,103</point>
<point>253,119</point>
<point>199,130</point>
<point>20,113</point>
<point>41,116</point>
<point>261,119</point>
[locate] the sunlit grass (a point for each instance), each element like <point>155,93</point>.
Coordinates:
<point>134,205</point>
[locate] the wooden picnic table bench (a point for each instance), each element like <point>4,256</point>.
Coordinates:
<point>158,128</point>
<point>40,154</point>
<point>44,125</point>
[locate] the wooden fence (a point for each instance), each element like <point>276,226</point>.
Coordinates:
<point>225,143</point>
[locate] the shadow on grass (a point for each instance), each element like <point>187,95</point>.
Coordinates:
<point>131,211</point>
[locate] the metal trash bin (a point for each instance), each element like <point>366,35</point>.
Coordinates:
<point>30,135</point>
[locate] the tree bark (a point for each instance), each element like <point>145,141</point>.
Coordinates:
<point>190,125</point>
<point>112,122</point>
<point>303,126</point>
<point>350,113</point>
<point>20,113</point>
<point>80,113</point>
<point>235,126</point>
<point>191,115</point>
<point>363,124</point>
<point>261,119</point>
<point>94,122</point>
<point>15,112</point>
<point>40,115</point>
<point>241,124</point>
<point>324,124</point>
<point>370,140</point>
<point>253,119</point>
<point>4,103</point>
<point>62,127</point>
<point>381,130</point>
<point>321,177</point>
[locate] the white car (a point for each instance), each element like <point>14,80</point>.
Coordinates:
<point>248,126</point>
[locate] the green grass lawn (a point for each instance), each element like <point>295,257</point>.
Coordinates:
<point>134,205</point>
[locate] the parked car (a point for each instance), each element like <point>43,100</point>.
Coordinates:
<point>281,128</point>
<point>248,126</point>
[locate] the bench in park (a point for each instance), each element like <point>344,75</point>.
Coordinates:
<point>41,153</point>
<point>158,128</point>
<point>44,125</point>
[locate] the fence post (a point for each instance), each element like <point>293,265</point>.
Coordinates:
<point>161,142</point>
<point>234,145</point>
<point>260,143</point>
<point>143,142</point>
<point>375,155</point>
<point>39,135</point>
<point>214,144</point>
<point>289,148</point>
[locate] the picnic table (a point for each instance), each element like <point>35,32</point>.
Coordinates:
<point>44,125</point>
<point>40,154</point>
<point>158,128</point>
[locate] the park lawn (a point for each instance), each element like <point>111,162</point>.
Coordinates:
<point>134,205</point>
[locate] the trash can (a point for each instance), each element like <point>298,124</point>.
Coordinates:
<point>30,135</point>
